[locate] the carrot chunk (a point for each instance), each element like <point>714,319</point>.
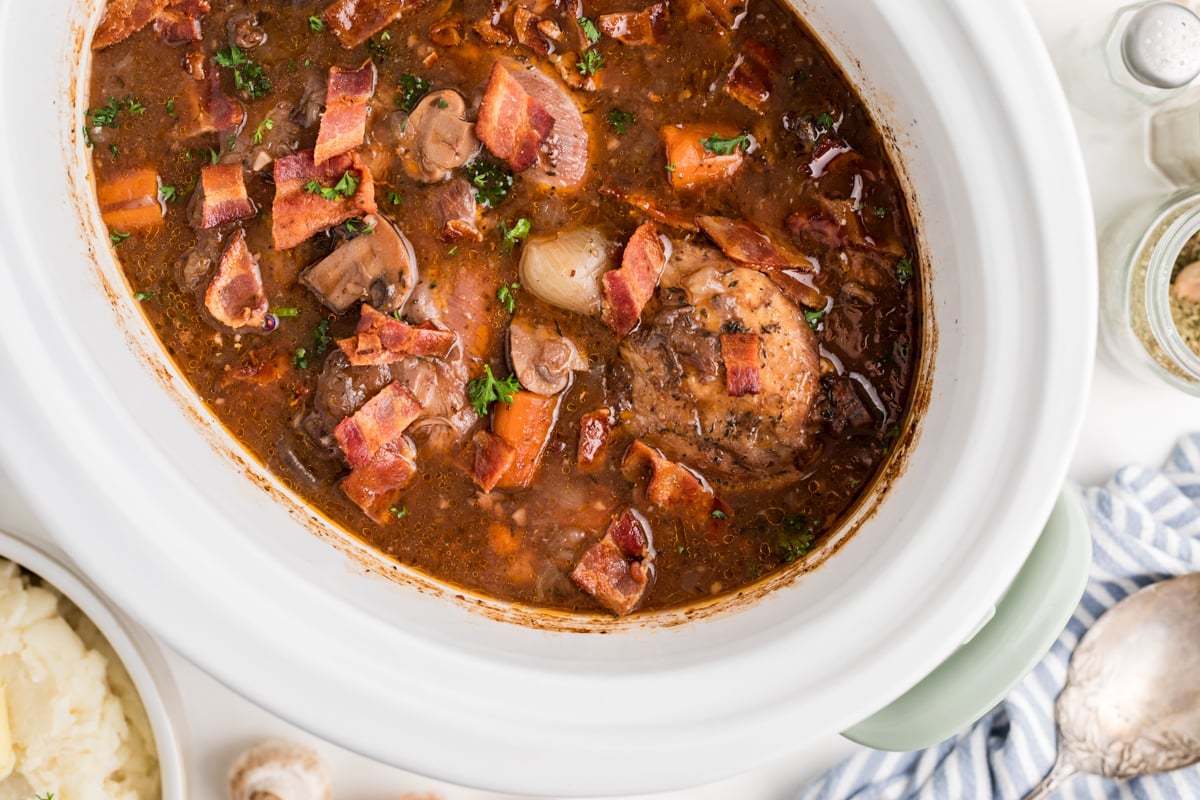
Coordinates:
<point>525,424</point>
<point>129,201</point>
<point>690,164</point>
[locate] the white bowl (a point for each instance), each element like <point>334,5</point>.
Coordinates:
<point>138,653</point>
<point>212,553</point>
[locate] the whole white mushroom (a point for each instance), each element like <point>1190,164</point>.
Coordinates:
<point>279,771</point>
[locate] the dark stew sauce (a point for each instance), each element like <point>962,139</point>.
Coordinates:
<point>739,381</point>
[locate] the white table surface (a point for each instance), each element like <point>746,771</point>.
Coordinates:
<point>1127,421</point>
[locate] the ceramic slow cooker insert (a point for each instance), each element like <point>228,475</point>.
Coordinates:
<point>208,550</point>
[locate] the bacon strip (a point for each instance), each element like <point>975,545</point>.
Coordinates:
<point>382,420</point>
<point>381,339</point>
<point>235,296</point>
<point>129,201</point>
<point>749,244</point>
<point>619,569</point>
<point>648,26</point>
<point>511,124</point>
<point>355,21</point>
<point>223,187</point>
<point>375,486</point>
<point>594,430</point>
<point>124,18</point>
<point>753,74</point>
<point>179,21</point>
<point>457,211</point>
<point>743,363</point>
<point>672,487</point>
<point>649,206</point>
<point>493,458</point>
<point>628,289</point>
<point>344,122</point>
<point>205,108</point>
<point>298,213</point>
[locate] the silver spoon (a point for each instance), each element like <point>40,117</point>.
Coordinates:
<point>1131,705</point>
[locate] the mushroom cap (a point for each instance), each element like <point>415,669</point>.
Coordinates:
<point>437,138</point>
<point>279,771</point>
<point>541,357</point>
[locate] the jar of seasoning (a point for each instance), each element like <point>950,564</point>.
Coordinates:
<point>1150,292</point>
<point>1138,57</point>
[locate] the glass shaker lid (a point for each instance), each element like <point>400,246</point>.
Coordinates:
<point>1161,45</point>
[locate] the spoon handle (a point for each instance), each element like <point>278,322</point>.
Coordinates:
<point>1059,774</point>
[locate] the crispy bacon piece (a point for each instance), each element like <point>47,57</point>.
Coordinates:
<point>648,26</point>
<point>205,108</point>
<point>649,206</point>
<point>375,487</point>
<point>457,211</point>
<point>298,213</point>
<point>381,421</point>
<point>816,229</point>
<point>750,244</point>
<point>344,123</point>
<point>594,430</point>
<point>727,12</point>
<point>355,21</point>
<point>235,296</point>
<point>382,339</point>
<point>628,289</point>
<point>619,569</point>
<point>673,487</point>
<point>753,74</point>
<point>511,124</point>
<point>743,363</point>
<point>692,164</point>
<point>223,187</point>
<point>179,21</point>
<point>257,368</point>
<point>124,18</point>
<point>493,458</point>
<point>129,201</point>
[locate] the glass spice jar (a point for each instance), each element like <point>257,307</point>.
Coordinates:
<point>1139,259</point>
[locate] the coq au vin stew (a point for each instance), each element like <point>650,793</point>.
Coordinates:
<point>589,305</point>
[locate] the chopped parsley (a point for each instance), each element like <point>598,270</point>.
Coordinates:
<point>171,107</point>
<point>492,182</point>
<point>813,318</point>
<point>797,539</point>
<point>719,514</point>
<point>442,103</point>
<point>412,89</point>
<point>453,251</point>
<point>377,48</point>
<point>108,115</point>
<point>590,63</point>
<point>300,359</point>
<point>671,168</point>
<point>168,193</point>
<point>486,390</point>
<point>286,311</point>
<point>589,30</point>
<point>321,337</point>
<point>116,237</point>
<point>316,24</point>
<point>248,75</point>
<point>142,297</point>
<point>214,156</point>
<point>346,186</point>
<point>904,270</point>
<point>266,125</point>
<point>880,212</point>
<point>399,513</point>
<point>507,297</point>
<point>116,152</point>
<point>395,198</point>
<point>620,120</point>
<point>825,121</point>
<point>718,145</point>
<point>510,236</point>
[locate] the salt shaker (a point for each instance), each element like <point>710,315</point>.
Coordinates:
<point>1120,66</point>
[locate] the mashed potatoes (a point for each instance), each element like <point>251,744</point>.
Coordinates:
<point>76,725</point>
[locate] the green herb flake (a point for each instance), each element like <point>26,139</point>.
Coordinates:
<point>321,337</point>
<point>719,514</point>
<point>506,294</point>
<point>108,115</point>
<point>168,193</point>
<point>510,236</point>
<point>453,251</point>
<point>620,120</point>
<point>116,237</point>
<point>395,198</point>
<point>248,75</point>
<point>492,182</point>
<point>671,168</point>
<point>286,311</point>
<point>116,152</point>
<point>814,318</point>
<point>346,186</point>
<point>796,539</point>
<point>590,63</point>
<point>412,89</point>
<point>718,145</point>
<point>399,513</point>
<point>825,121</point>
<point>142,297</point>
<point>171,107</point>
<point>880,212</point>
<point>486,390</point>
<point>300,359</point>
<point>442,103</point>
<point>316,24</point>
<point>266,125</point>
<point>214,156</point>
<point>589,30</point>
<point>904,270</point>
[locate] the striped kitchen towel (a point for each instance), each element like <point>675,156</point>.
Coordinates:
<point>1145,527</point>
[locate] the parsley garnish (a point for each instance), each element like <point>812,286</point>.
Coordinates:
<point>590,63</point>
<point>412,89</point>
<point>620,120</point>
<point>720,146</point>
<point>171,107</point>
<point>395,198</point>
<point>825,121</point>
<point>377,48</point>
<point>813,318</point>
<point>266,125</point>
<point>671,168</point>
<point>442,103</point>
<point>880,212</point>
<point>453,251</point>
<point>510,236</point>
<point>904,270</point>
<point>316,24</point>
<point>117,237</point>
<point>345,187</point>
<point>492,182</point>
<point>399,513</point>
<point>486,390</point>
<point>108,115</point>
<point>719,514</point>
<point>214,156</point>
<point>167,193</point>
<point>141,297</point>
<point>44,796</point>
<point>321,337</point>
<point>300,359</point>
<point>505,294</point>
<point>589,30</point>
<point>248,75</point>
<point>797,538</point>
<point>116,152</point>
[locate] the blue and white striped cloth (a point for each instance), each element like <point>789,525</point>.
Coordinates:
<point>1145,527</point>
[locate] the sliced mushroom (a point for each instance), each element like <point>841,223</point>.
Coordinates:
<point>279,771</point>
<point>379,266</point>
<point>437,139</point>
<point>541,358</point>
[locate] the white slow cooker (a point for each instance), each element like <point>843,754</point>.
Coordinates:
<point>197,541</point>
